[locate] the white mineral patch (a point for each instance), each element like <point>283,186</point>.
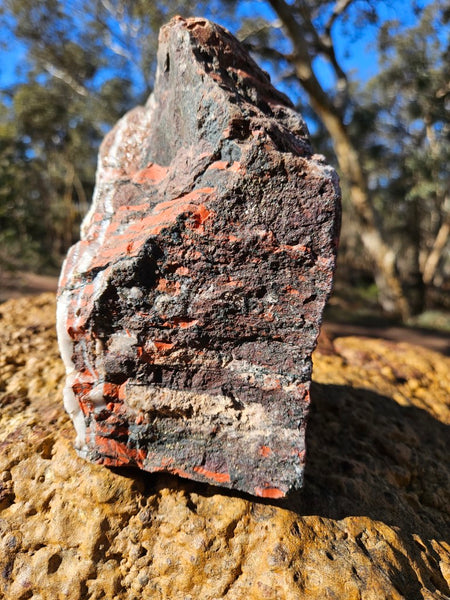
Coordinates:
<point>256,374</point>
<point>201,407</point>
<point>123,344</point>
<point>97,397</point>
<point>147,398</point>
<point>65,342</point>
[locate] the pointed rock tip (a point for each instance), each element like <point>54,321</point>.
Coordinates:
<point>220,51</point>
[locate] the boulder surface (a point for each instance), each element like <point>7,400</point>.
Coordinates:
<point>371,523</point>
<point>188,312</point>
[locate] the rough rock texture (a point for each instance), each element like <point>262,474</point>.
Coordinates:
<point>188,312</point>
<point>371,523</point>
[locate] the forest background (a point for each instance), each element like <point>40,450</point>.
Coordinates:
<point>370,77</point>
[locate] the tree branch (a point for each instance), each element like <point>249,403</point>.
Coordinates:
<point>302,59</point>
<point>66,77</point>
<point>340,7</point>
<point>432,261</point>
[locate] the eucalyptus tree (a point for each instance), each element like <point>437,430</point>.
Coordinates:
<point>410,99</point>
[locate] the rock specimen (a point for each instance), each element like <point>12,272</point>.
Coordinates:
<point>188,312</point>
<point>371,523</point>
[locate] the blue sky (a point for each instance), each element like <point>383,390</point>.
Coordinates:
<point>358,57</point>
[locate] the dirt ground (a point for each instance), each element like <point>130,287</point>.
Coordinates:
<point>15,284</point>
<point>18,284</point>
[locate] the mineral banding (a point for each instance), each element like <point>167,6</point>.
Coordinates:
<point>188,312</point>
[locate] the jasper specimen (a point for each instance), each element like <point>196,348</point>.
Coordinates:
<point>188,312</point>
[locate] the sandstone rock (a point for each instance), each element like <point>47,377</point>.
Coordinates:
<point>371,523</point>
<point>188,312</point>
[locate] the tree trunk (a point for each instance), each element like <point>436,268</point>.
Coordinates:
<point>391,293</point>
<point>429,269</point>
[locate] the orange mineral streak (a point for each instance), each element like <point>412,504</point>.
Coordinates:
<point>185,324</point>
<point>169,287</point>
<point>269,492</point>
<point>265,451</point>
<point>300,453</point>
<point>139,419</point>
<point>202,214</point>
<point>110,390</point>
<point>172,470</point>
<point>181,323</point>
<point>219,165</point>
<point>219,477</point>
<point>117,454</point>
<point>153,173</point>
<point>134,235</point>
<point>292,291</point>
<point>222,165</point>
<point>162,346</point>
<point>122,391</point>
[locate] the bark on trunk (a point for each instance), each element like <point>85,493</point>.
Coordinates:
<point>391,294</point>
<point>429,270</point>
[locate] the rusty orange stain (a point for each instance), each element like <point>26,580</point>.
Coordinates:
<point>292,291</point>
<point>219,477</point>
<point>269,492</point>
<point>153,172</point>
<point>203,213</point>
<point>118,453</point>
<point>185,324</point>
<point>219,165</point>
<point>110,389</point>
<point>170,287</point>
<point>162,345</point>
<point>233,282</point>
<point>122,393</point>
<point>163,214</point>
<point>187,198</point>
<point>182,271</point>
<point>265,451</point>
<point>181,323</point>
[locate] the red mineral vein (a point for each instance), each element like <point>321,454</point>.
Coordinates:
<point>219,477</point>
<point>162,346</point>
<point>269,492</point>
<point>153,173</point>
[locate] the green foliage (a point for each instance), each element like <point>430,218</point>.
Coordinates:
<point>407,144</point>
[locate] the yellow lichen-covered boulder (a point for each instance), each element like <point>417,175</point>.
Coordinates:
<point>371,522</point>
